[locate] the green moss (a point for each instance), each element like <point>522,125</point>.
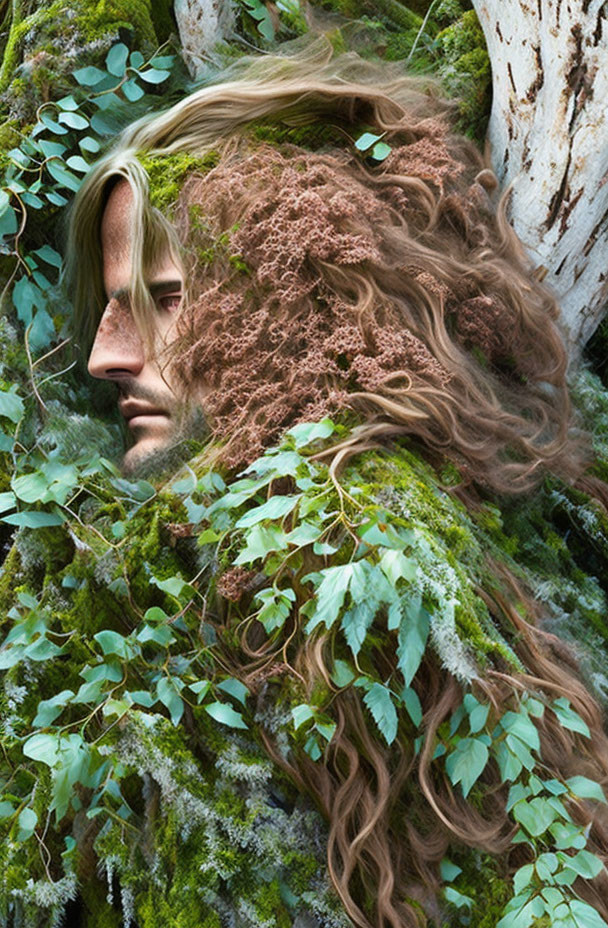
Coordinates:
<point>167,173</point>
<point>97,18</point>
<point>465,70</point>
<point>485,882</point>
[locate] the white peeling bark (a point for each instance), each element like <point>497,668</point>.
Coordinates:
<point>202,25</point>
<point>549,140</point>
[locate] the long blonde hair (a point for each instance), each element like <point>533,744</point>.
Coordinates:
<point>440,272</point>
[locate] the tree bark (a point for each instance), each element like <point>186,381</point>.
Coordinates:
<point>202,25</point>
<point>549,142</point>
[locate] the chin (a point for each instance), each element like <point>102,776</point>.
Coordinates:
<point>137,458</point>
<point>155,455</point>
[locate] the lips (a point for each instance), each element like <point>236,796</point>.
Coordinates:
<point>137,412</point>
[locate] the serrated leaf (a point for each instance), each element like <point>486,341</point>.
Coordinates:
<point>396,566</point>
<point>379,701</point>
<point>357,621</point>
<point>330,594</point>
<point>412,636</point>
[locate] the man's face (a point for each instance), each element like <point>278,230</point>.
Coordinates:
<point>119,353</point>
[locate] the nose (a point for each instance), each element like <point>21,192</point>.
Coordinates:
<point>118,350</point>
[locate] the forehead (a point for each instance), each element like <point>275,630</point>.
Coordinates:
<point>116,224</point>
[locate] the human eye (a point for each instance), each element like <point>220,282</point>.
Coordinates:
<point>169,302</point>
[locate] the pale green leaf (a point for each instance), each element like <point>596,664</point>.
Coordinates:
<point>116,59</point>
<point>222,712</point>
<point>466,763</point>
<point>379,701</point>
<point>277,507</point>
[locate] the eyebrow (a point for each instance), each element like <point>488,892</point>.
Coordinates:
<point>156,289</point>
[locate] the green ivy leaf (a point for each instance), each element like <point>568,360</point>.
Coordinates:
<point>584,863</point>
<point>342,674</point>
<point>168,693</point>
<point>466,763</point>
<point>535,815</point>
<point>261,540</point>
<point>222,712</point>
<point>410,700</point>
<point>42,650</point>
<point>330,593</point>
<point>380,151</point>
<point>11,406</point>
<point>27,821</point>
<point>302,714</point>
<point>200,688</point>
<point>586,916</point>
<point>568,718</point>
<point>308,432</point>
<point>112,642</point>
<point>234,688</point>
<point>277,507</point>
<point>49,709</point>
<point>584,788</point>
<point>63,177</point>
